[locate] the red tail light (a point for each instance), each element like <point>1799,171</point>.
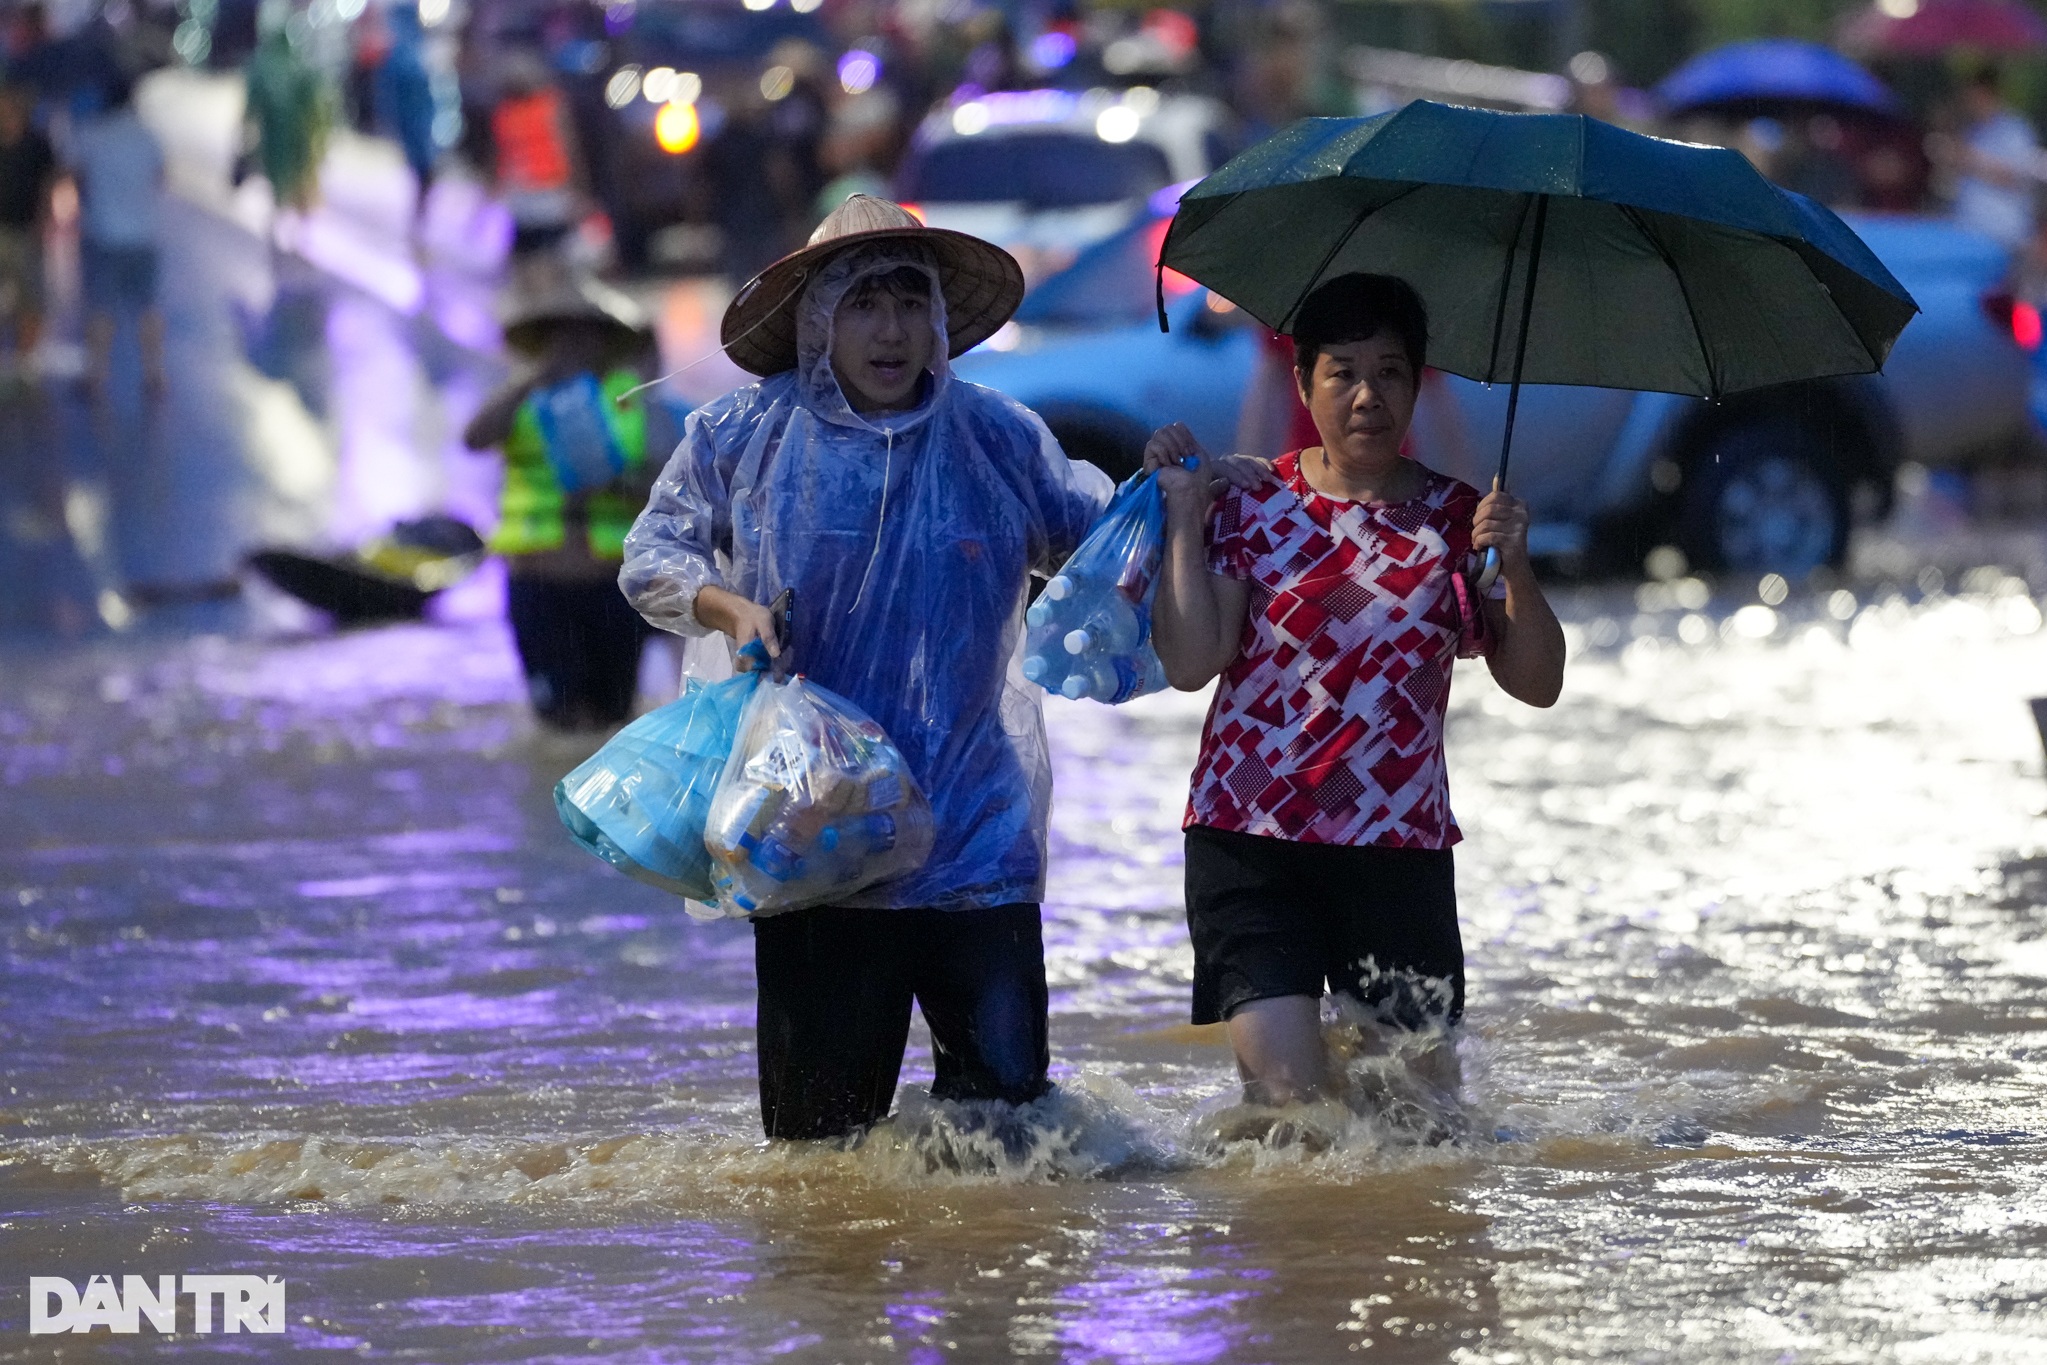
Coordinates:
<point>2025,326</point>
<point>2016,316</point>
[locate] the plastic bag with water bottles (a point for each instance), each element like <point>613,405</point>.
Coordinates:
<point>1089,632</point>
<point>815,804</point>
<point>641,802</point>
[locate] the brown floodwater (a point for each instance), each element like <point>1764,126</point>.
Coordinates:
<point>300,977</point>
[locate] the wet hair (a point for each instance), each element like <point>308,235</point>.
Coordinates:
<point>1358,307</point>
<point>905,282</point>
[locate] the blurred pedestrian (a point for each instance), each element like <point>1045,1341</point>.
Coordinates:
<point>402,91</point>
<point>120,173</point>
<point>1997,161</point>
<point>293,113</point>
<point>28,168</point>
<point>532,145</point>
<point>576,472</point>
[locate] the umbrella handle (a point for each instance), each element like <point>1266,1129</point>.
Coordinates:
<point>1488,570</point>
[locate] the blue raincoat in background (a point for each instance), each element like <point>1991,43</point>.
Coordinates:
<point>908,538</point>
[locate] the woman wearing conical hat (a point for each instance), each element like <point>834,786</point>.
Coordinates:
<point>906,508</point>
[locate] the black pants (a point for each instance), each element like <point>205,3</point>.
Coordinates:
<point>580,646</point>
<point>835,991</point>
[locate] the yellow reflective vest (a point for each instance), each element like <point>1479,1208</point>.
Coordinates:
<point>530,509</point>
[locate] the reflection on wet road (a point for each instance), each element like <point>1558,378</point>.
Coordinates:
<point>301,977</point>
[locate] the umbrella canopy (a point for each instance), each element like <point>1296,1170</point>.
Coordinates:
<point>1929,28</point>
<point>1662,265</point>
<point>1774,70</point>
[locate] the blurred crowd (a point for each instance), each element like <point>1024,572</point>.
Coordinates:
<point>710,136</point>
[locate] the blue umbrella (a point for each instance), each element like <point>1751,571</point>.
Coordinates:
<point>1777,70</point>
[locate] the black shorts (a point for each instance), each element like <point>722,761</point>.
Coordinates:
<point>1272,917</point>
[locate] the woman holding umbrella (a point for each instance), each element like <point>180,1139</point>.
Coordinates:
<point>1332,603</point>
<point>1319,834</point>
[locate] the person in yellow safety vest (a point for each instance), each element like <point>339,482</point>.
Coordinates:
<point>576,473</point>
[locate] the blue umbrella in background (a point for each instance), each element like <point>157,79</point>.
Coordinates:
<point>1775,70</point>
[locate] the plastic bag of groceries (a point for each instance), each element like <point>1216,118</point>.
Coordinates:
<point>575,427</point>
<point>815,804</point>
<point>641,801</point>
<point>1089,632</point>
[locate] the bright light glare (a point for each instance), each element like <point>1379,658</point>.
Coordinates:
<point>1052,50</point>
<point>804,6</point>
<point>676,127</point>
<point>1117,123</point>
<point>659,85</point>
<point>758,5</point>
<point>1898,9</point>
<point>623,87</point>
<point>2025,325</point>
<point>349,10</point>
<point>776,83</point>
<point>1006,337</point>
<point>688,85</point>
<point>858,71</point>
<point>1142,98</point>
<point>1753,622</point>
<point>432,12</point>
<point>970,118</point>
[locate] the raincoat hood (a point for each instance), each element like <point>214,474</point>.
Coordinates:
<point>817,312</point>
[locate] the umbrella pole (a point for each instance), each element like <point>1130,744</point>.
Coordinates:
<point>1489,569</point>
<point>1521,342</point>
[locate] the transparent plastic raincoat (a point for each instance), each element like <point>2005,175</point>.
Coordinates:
<point>908,538</point>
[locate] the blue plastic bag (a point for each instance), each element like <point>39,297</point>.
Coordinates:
<point>641,801</point>
<point>815,804</point>
<point>582,448</point>
<point>1089,632</point>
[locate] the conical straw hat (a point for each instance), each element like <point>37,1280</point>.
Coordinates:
<point>557,294</point>
<point>982,283</point>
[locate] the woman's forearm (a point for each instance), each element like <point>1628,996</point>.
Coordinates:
<point>1528,660</point>
<point>1186,616</point>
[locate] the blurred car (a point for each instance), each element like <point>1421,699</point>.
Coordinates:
<point>676,75</point>
<point>1045,173</point>
<point>1085,352</point>
<point>1760,482</point>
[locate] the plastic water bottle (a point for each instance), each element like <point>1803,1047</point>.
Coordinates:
<point>1111,627</point>
<point>860,836</point>
<point>1110,680</point>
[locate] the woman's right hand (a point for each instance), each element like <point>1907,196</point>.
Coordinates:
<point>742,618</point>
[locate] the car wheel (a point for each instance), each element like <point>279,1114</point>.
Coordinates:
<point>1762,497</point>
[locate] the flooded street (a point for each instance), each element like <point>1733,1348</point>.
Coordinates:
<point>301,977</point>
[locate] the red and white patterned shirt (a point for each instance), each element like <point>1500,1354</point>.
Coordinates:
<point>1328,728</point>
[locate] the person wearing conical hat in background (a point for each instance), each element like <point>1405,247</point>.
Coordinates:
<point>574,440</point>
<point>906,509</point>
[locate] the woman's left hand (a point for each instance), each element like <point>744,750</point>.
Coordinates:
<point>1502,523</point>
